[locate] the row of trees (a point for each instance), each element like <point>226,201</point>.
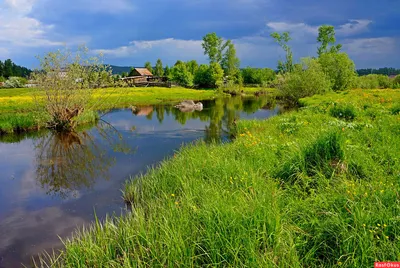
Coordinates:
<point>331,70</point>
<point>223,67</point>
<point>383,71</point>
<point>8,69</point>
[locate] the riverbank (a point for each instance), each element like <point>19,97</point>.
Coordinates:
<point>316,187</point>
<point>17,106</point>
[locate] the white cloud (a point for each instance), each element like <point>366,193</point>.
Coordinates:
<point>370,46</point>
<point>18,29</point>
<point>294,28</point>
<point>167,48</point>
<point>353,27</point>
<point>350,28</point>
<point>22,6</point>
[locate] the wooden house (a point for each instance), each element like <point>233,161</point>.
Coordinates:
<point>143,77</point>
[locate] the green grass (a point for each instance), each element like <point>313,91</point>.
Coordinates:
<point>17,106</point>
<point>303,189</point>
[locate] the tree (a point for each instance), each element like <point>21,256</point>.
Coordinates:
<point>147,65</point>
<point>167,71</point>
<point>1,69</point>
<point>124,74</point>
<point>8,68</point>
<point>67,81</point>
<point>214,46</point>
<point>159,71</point>
<point>339,68</point>
<point>326,36</point>
<point>255,76</point>
<point>181,75</point>
<point>306,79</point>
<point>230,62</point>
<point>209,76</point>
<point>192,66</point>
<point>282,40</point>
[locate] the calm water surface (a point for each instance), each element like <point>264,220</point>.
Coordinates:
<point>51,184</point>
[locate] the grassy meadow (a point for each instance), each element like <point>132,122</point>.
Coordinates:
<point>17,106</point>
<point>316,187</point>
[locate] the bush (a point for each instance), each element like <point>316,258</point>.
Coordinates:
<point>15,82</point>
<point>307,79</point>
<point>372,81</point>
<point>396,82</point>
<point>340,70</point>
<point>181,75</point>
<point>255,76</point>
<point>209,76</point>
<point>346,112</point>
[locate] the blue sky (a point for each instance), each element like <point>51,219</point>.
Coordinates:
<point>130,32</point>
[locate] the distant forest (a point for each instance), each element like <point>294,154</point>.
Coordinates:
<point>384,71</point>
<point>9,68</point>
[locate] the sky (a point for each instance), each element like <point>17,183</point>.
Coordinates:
<point>131,32</point>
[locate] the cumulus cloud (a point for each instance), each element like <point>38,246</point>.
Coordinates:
<point>18,29</point>
<point>353,27</point>
<point>368,46</point>
<point>169,49</point>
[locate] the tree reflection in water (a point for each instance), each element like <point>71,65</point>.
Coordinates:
<point>221,113</point>
<point>69,161</point>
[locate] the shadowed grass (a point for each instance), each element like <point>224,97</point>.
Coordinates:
<point>322,195</point>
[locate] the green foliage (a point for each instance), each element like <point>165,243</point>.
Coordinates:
<point>148,66</point>
<point>159,70</point>
<point>340,70</point>
<point>8,69</point>
<point>192,66</point>
<point>167,71</point>
<point>2,79</point>
<point>326,37</point>
<point>395,110</point>
<point>67,81</point>
<point>209,76</point>
<point>385,71</point>
<point>282,40</point>
<point>255,76</point>
<point>374,81</point>
<point>15,82</point>
<point>181,75</point>
<point>214,46</point>
<point>307,79</point>
<point>396,81</point>
<point>231,63</point>
<point>346,112</point>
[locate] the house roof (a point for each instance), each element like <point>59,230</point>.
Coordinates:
<point>143,71</point>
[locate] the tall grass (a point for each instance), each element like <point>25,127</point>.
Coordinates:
<point>322,195</point>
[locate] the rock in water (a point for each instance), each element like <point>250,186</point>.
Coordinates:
<point>189,106</point>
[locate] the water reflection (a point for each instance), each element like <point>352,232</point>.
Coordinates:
<point>52,183</point>
<point>221,113</point>
<point>69,161</point>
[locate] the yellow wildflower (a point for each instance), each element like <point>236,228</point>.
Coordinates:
<point>172,195</point>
